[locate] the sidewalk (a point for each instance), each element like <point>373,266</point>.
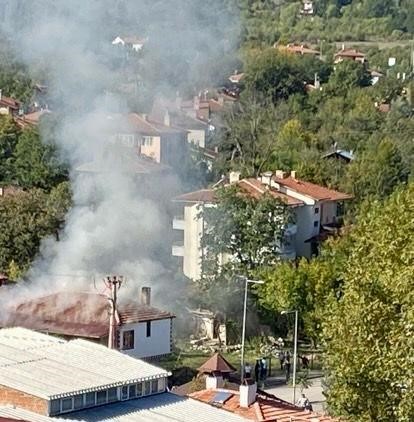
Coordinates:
<point>285,392</point>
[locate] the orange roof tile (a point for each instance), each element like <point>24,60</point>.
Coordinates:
<point>266,408</point>
<point>349,52</point>
<point>300,49</point>
<point>317,192</point>
<point>216,364</point>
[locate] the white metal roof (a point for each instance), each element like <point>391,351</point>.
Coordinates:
<point>47,367</point>
<point>165,407</point>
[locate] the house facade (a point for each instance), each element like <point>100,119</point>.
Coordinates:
<point>142,331</point>
<point>317,213</point>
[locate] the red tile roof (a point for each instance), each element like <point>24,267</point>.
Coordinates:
<point>266,408</point>
<point>9,102</point>
<point>147,127</point>
<point>236,77</point>
<point>216,364</point>
<point>77,314</point>
<point>316,192</point>
<point>250,186</point>
<point>300,49</point>
<point>350,52</point>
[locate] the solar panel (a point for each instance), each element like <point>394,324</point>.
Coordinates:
<point>221,397</point>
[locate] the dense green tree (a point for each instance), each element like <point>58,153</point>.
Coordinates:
<point>369,331</point>
<point>27,217</point>
<point>9,134</point>
<point>37,164</point>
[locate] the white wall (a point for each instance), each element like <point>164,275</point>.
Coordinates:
<point>193,230</point>
<point>328,212</point>
<point>159,343</point>
<point>197,137</point>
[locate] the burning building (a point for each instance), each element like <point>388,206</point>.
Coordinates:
<point>133,327</point>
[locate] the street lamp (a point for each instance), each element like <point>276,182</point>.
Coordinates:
<point>247,281</point>
<point>295,350</point>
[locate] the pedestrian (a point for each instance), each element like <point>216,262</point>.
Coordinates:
<point>287,369</point>
<point>247,370</point>
<point>264,369</point>
<point>257,370</point>
<point>303,402</point>
<point>281,359</point>
<point>305,362</point>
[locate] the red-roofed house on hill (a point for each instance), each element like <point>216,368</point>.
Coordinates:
<point>349,54</point>
<point>141,330</point>
<point>317,211</point>
<point>9,105</point>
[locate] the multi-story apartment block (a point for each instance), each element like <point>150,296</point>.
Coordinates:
<point>317,213</point>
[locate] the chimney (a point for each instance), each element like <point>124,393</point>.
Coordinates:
<point>234,177</point>
<point>167,121</point>
<point>248,392</point>
<point>267,178</point>
<point>196,103</point>
<point>317,83</point>
<point>280,174</point>
<point>214,381</point>
<point>343,46</point>
<point>146,296</point>
<point>293,174</point>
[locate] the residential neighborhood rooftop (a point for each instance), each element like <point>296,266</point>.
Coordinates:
<point>78,314</point>
<point>49,368</point>
<point>216,363</point>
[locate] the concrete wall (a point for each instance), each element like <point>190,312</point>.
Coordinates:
<point>328,212</point>
<point>305,217</point>
<point>193,230</point>
<point>154,150</point>
<point>9,396</point>
<point>159,343</point>
<point>197,137</point>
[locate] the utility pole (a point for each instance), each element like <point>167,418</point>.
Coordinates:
<point>113,283</point>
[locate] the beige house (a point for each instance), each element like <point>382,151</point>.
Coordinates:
<point>317,211</point>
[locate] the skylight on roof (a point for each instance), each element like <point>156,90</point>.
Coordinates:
<point>221,397</point>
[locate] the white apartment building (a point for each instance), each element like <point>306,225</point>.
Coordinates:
<point>317,211</point>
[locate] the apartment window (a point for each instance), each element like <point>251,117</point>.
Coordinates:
<point>315,223</point>
<point>132,391</point>
<point>316,210</point>
<point>112,394</point>
<point>154,386</point>
<point>101,397</point>
<point>78,401</point>
<point>139,389</point>
<point>54,406</point>
<point>147,389</point>
<point>124,392</point>
<point>67,404</point>
<point>148,328</point>
<point>128,340</point>
<point>147,141</point>
<point>89,399</point>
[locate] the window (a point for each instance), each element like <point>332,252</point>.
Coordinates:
<point>124,393</point>
<point>132,391</point>
<point>315,223</point>
<point>101,397</point>
<point>147,141</point>
<point>340,209</point>
<point>112,394</point>
<point>78,401</point>
<point>316,210</point>
<point>89,399</point>
<point>147,387</point>
<point>148,328</point>
<point>54,407</point>
<point>139,389</point>
<point>67,404</point>
<point>154,386</point>
<point>128,340</point>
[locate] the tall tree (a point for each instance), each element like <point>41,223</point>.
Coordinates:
<point>369,331</point>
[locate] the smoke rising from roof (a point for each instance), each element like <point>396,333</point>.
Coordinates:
<point>116,226</point>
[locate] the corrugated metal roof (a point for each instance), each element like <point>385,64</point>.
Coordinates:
<point>57,368</point>
<point>165,407</point>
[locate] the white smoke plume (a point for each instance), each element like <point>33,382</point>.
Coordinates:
<point>115,225</point>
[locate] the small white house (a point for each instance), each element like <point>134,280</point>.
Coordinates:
<point>131,41</point>
<point>141,330</point>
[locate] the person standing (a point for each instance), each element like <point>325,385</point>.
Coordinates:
<point>287,369</point>
<point>264,369</point>
<point>281,359</point>
<point>257,370</point>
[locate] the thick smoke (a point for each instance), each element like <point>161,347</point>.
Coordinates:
<point>115,226</point>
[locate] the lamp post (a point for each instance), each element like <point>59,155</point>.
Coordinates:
<point>247,281</point>
<point>295,350</point>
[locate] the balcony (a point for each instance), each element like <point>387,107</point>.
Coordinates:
<point>178,249</point>
<point>178,223</point>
